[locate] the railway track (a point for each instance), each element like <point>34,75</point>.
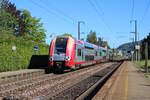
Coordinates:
<point>84,88</point>
<point>51,86</point>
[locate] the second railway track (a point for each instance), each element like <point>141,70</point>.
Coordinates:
<point>57,87</point>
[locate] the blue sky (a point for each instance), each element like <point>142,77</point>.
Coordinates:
<point>109,18</point>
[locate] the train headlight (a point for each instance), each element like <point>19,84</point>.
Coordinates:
<point>68,58</point>
<point>50,58</point>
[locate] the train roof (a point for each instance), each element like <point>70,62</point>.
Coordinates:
<point>61,36</point>
<point>89,45</point>
<point>93,46</point>
<point>84,43</point>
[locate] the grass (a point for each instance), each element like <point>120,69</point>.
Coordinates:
<point>141,65</point>
<point>22,55</point>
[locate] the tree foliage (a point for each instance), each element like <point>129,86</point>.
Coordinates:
<point>11,9</point>
<point>67,34</point>
<point>20,22</point>
<point>92,38</point>
<point>147,39</point>
<point>33,28</point>
<point>7,22</point>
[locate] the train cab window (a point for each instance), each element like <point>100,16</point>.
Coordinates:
<point>79,52</point>
<point>60,45</point>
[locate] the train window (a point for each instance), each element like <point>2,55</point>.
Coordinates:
<point>89,57</point>
<point>82,55</point>
<point>60,45</point>
<point>104,51</point>
<point>100,53</point>
<point>96,53</point>
<point>79,52</point>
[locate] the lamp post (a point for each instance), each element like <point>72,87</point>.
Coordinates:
<point>13,49</point>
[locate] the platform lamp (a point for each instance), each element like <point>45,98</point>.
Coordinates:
<point>13,49</point>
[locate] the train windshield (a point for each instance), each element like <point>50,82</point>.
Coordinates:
<point>60,45</point>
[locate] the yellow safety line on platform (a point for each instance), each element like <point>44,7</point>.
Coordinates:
<point>126,84</point>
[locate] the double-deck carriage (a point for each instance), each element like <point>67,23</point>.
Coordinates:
<point>69,53</point>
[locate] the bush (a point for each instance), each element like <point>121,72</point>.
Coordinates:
<point>22,55</point>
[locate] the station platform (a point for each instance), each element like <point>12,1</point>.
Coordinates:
<point>127,84</point>
<point>10,76</point>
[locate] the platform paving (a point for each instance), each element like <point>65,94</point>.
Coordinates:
<point>129,84</point>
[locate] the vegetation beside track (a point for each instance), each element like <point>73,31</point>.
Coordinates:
<point>141,65</point>
<point>19,28</point>
<point>22,55</point>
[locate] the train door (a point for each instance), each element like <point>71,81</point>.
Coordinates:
<point>79,55</point>
<point>82,54</point>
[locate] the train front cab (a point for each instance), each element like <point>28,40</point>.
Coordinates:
<point>62,53</point>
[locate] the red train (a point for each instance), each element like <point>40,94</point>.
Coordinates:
<point>69,53</point>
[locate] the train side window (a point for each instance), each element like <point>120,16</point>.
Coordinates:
<point>79,52</point>
<point>82,55</point>
<point>96,53</point>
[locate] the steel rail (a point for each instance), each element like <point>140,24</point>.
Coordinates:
<point>87,95</point>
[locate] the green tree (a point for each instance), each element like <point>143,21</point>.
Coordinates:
<point>11,9</point>
<point>7,23</point>
<point>21,22</point>
<point>92,38</point>
<point>147,39</point>
<point>34,29</point>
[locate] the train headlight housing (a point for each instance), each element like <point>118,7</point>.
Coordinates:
<point>50,58</point>
<point>68,58</point>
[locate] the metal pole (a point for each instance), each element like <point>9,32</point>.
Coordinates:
<point>132,57</point>
<point>139,58</point>
<point>139,52</point>
<point>12,62</point>
<point>13,49</point>
<point>132,52</point>
<point>135,31</point>
<point>146,57</point>
<point>78,30</point>
<point>136,51</point>
<point>79,22</point>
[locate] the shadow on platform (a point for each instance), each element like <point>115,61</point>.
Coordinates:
<point>39,62</point>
